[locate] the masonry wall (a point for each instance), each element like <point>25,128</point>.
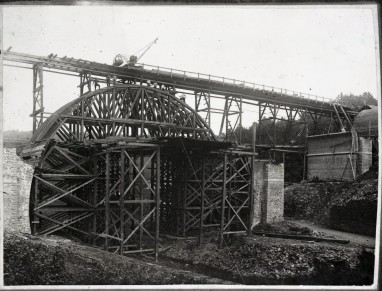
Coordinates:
<point>17,179</point>
<point>258,202</point>
<point>275,192</point>
<point>365,157</point>
<point>269,193</point>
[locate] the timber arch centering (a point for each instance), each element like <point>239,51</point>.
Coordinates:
<point>124,111</point>
<point>122,163</point>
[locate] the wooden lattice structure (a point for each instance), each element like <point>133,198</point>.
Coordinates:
<point>123,163</point>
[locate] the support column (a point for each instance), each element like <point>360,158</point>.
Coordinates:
<point>107,201</point>
<point>260,116</point>
<point>121,201</point>
<point>252,183</point>
<point>157,202</point>
<point>95,194</point>
<point>141,161</point>
<point>224,193</point>
<point>38,96</point>
<point>202,201</point>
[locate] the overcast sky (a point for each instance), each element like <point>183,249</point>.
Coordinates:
<point>322,50</point>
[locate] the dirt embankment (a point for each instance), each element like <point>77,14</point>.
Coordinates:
<point>261,260</point>
<point>251,260</point>
<point>347,206</point>
<point>30,260</point>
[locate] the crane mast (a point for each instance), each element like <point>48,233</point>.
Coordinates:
<point>119,59</point>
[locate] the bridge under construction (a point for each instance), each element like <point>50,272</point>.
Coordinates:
<point>130,159</point>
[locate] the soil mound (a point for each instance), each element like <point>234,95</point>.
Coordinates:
<point>348,206</point>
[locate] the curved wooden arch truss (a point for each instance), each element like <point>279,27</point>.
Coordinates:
<point>124,111</point>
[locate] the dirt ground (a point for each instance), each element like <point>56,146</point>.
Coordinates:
<point>252,260</point>
<point>274,261</point>
<point>354,238</point>
<point>52,260</point>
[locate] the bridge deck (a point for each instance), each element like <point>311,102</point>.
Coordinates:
<point>185,80</point>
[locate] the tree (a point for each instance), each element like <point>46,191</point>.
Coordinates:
<point>356,101</point>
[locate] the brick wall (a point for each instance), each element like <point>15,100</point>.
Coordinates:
<point>17,178</point>
<point>328,156</point>
<point>269,193</point>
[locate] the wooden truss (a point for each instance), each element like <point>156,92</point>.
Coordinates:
<point>97,184</point>
<point>212,191</point>
<point>109,197</point>
<point>124,111</point>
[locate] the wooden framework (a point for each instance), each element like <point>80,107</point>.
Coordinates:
<point>213,190</point>
<point>124,111</point>
<point>98,196</point>
<point>38,96</point>
<point>102,178</point>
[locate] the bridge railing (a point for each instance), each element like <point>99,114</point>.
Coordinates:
<point>230,82</point>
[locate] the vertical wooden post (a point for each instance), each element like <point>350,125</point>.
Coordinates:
<point>107,202</point>
<point>227,117</point>
<point>95,194</point>
<point>113,101</point>
<point>82,130</point>
<point>168,113</point>
<point>179,200</point>
<point>221,238</point>
<point>229,194</point>
<point>142,112</point>
<point>157,201</point>
<point>152,183</point>
<point>274,125</point>
<point>38,96</point>
<point>202,201</point>
<point>184,199</point>
<point>224,117</point>
<point>252,181</point>
<point>141,163</point>
<point>260,115</point>
<point>304,172</point>
<point>121,200</point>
<point>240,118</point>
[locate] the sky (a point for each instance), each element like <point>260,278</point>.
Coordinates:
<point>321,50</point>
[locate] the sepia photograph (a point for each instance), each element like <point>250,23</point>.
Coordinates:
<point>190,146</point>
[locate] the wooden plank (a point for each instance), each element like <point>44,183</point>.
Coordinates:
<point>301,237</point>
